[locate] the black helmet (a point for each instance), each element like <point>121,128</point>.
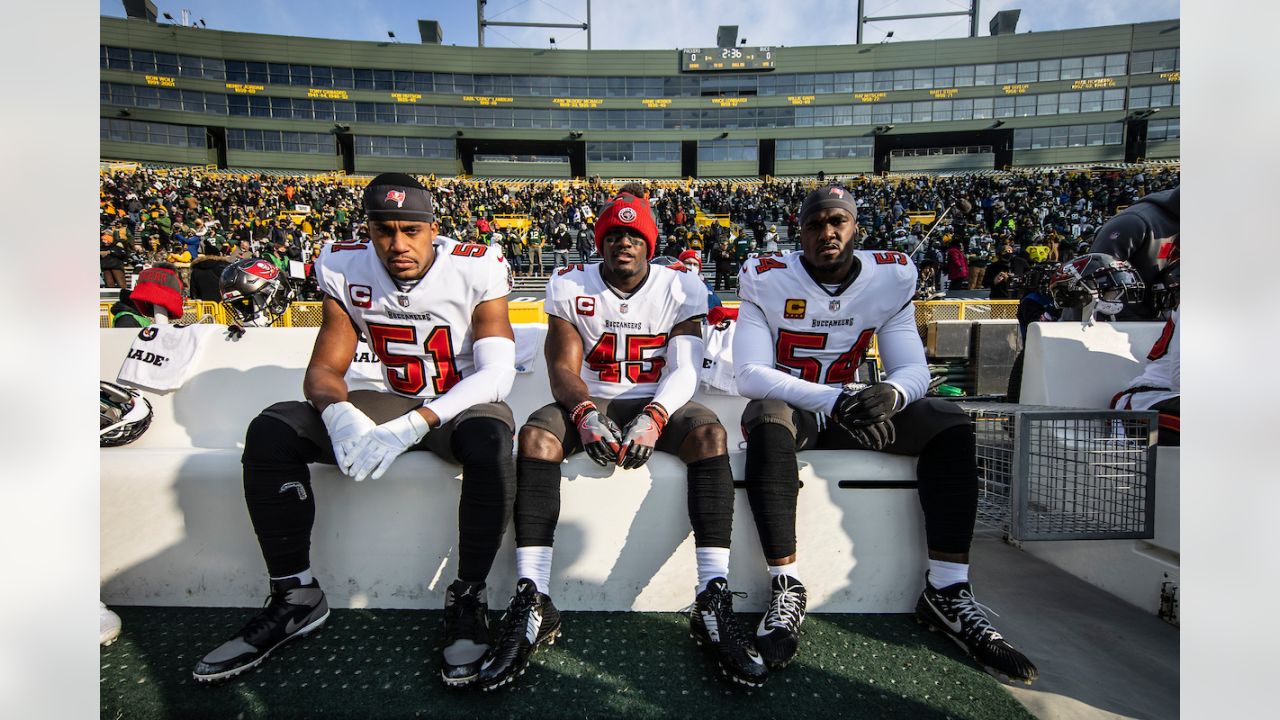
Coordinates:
<point>1095,278</point>
<point>254,291</point>
<point>1165,288</point>
<point>123,415</point>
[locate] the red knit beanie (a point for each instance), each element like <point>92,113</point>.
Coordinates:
<point>690,255</point>
<point>158,285</point>
<point>627,210</point>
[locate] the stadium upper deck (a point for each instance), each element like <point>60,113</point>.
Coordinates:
<point>177,94</point>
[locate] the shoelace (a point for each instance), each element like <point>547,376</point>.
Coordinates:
<point>519,608</point>
<point>274,609</point>
<point>465,619</point>
<point>722,606</point>
<point>784,612</point>
<point>968,609</point>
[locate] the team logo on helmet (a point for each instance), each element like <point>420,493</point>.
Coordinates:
<point>396,196</point>
<point>263,269</point>
<point>627,215</point>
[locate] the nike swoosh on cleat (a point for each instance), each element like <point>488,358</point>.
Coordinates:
<point>487,663</point>
<point>292,626</point>
<point>755,657</point>
<point>953,624</point>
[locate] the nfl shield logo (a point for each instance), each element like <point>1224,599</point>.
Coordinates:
<point>622,307</point>
<point>834,305</point>
<point>404,301</point>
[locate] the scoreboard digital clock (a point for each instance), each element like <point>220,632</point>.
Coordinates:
<point>713,59</point>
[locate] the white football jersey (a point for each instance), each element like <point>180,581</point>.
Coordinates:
<point>821,335</point>
<point>1163,370</point>
<point>624,341</point>
<point>422,335</point>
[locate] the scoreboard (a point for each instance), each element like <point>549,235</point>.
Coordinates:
<point>712,59</point>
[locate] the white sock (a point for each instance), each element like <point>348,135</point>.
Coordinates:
<point>713,562</point>
<point>791,570</point>
<point>945,574</point>
<point>534,562</point>
<point>303,577</point>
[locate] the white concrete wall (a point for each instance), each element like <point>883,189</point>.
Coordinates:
<point>175,530</point>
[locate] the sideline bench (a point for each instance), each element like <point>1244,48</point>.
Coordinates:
<point>175,530</point>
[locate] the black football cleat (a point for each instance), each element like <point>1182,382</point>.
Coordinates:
<point>531,620</point>
<point>293,610</point>
<point>778,634</point>
<point>466,633</point>
<point>714,626</point>
<point>955,612</point>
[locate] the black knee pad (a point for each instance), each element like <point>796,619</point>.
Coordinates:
<point>948,484</point>
<point>482,440</point>
<point>773,484</point>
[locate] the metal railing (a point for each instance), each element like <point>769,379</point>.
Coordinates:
<point>307,314</point>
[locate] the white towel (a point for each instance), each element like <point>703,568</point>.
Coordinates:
<point>163,357</point>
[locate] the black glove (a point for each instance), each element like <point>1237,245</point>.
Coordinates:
<point>874,436</point>
<point>600,435</point>
<point>865,404</point>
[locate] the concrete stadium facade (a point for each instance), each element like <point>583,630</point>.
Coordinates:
<point>242,100</point>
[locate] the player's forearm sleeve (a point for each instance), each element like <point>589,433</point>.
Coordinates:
<point>684,357</point>
<point>495,359</point>
<point>902,355</point>
<point>755,374</point>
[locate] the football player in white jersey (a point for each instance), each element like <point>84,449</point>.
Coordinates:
<point>804,326</point>
<point>624,347</point>
<point>1159,386</point>
<point>435,313</point>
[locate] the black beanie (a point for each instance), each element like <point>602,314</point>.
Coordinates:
<point>396,196</point>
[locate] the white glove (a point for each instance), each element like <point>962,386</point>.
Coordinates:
<point>346,426</point>
<point>378,448</point>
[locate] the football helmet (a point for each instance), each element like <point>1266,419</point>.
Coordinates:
<point>1164,291</point>
<point>123,415</point>
<point>1096,279</point>
<point>254,291</point>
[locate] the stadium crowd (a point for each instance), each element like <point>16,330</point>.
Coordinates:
<point>965,231</point>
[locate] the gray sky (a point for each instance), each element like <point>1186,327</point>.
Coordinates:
<point>648,24</point>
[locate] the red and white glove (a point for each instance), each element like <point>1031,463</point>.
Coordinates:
<point>382,445</point>
<point>599,434</point>
<point>640,435</point>
<point>346,425</point>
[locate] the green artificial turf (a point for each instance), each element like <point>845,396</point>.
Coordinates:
<point>384,663</point>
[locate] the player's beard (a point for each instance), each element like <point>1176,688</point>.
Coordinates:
<point>834,265</point>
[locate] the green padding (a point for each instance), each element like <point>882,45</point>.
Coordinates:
<point>383,663</point>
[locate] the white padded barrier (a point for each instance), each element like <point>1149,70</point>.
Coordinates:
<point>175,530</point>
<point>1067,365</point>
